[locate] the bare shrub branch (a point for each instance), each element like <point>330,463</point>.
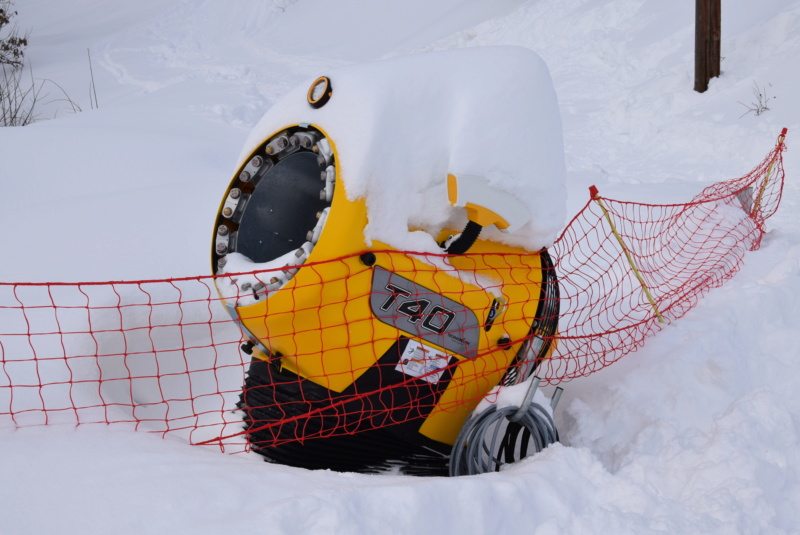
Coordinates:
<point>21,98</point>
<point>761,102</point>
<point>12,44</point>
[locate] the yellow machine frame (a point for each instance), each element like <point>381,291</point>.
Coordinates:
<point>320,324</point>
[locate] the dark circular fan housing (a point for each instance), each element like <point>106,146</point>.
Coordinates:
<point>281,208</point>
<point>275,204</point>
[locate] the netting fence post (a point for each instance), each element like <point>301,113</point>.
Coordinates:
<point>763,188</point>
<point>596,197</point>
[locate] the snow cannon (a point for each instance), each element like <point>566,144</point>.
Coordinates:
<point>367,355</point>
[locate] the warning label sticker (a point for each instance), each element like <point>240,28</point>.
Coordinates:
<point>424,362</point>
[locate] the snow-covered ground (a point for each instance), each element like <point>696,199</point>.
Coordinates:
<point>697,432</point>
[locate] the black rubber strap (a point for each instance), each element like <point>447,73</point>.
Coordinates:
<point>466,240</point>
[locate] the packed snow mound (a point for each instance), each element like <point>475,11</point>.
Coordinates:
<point>401,125</point>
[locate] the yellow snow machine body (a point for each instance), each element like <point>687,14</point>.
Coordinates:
<point>364,357</point>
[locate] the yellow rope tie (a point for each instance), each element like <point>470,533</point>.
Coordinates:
<point>769,172</point>
<point>596,198</point>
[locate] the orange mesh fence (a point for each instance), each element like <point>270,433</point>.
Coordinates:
<point>163,355</point>
<point>355,346</point>
<point>626,268</point>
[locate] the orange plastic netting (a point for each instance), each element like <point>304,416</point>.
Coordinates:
<point>164,355</point>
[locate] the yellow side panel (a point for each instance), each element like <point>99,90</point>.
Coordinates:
<point>331,344</point>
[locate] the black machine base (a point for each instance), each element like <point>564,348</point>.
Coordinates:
<point>296,422</point>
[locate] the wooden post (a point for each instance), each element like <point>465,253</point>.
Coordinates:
<point>707,33</point>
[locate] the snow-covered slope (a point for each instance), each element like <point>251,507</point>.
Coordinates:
<point>695,433</point>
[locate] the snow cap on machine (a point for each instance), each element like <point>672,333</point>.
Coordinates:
<point>400,126</point>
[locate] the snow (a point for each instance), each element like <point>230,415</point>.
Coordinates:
<point>697,432</point>
<point>401,125</point>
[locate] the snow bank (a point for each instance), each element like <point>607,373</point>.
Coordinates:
<point>696,432</point>
<point>401,125</point>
